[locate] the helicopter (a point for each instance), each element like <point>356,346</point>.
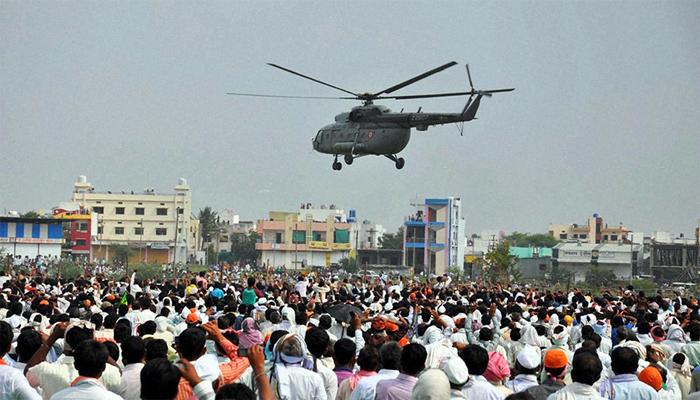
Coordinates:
<point>372,129</point>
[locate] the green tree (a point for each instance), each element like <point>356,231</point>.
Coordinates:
<point>500,263</point>
<point>208,223</point>
<point>560,275</point>
<point>348,264</point>
<point>211,254</point>
<point>31,214</point>
<point>519,239</point>
<point>392,240</point>
<point>243,247</point>
<point>121,253</point>
<point>599,277</point>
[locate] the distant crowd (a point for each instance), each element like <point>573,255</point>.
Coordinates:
<point>318,336</point>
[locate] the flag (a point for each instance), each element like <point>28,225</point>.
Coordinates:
<point>123,300</point>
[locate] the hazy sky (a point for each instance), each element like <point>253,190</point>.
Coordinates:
<point>132,94</point>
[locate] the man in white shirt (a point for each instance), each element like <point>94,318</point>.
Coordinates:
<point>317,341</point>
<point>585,372</point>
<point>390,358</point>
<point>301,287</point>
<point>90,361</point>
<point>291,375</point>
<point>53,377</point>
<point>133,352</point>
<point>477,387</point>
<point>13,384</point>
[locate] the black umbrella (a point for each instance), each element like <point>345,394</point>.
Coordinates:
<point>342,312</point>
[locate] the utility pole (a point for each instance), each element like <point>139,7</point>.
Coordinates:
<point>177,225</point>
<point>141,241</point>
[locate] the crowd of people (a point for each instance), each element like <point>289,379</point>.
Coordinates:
<point>319,336</point>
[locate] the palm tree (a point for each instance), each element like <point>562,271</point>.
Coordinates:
<point>208,223</point>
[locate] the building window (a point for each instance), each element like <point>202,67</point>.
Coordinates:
<point>139,210</point>
<point>605,237</point>
<point>316,236</point>
<point>99,210</point>
<point>583,236</point>
<point>80,242</point>
<point>180,210</point>
<point>299,237</point>
<point>138,231</point>
<point>100,229</point>
<point>82,227</point>
<point>161,211</point>
<point>119,210</point>
<point>278,237</point>
<point>118,230</point>
<point>613,237</point>
<point>161,231</point>
<point>341,236</point>
<point>562,236</point>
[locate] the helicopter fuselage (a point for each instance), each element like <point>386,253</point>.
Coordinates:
<point>374,129</point>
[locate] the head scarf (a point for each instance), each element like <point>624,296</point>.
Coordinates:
<point>250,335</point>
<point>601,328</point>
<point>281,361</point>
<point>554,319</point>
<point>497,369</point>
<point>161,323</point>
<point>684,369</point>
<point>529,336</point>
<point>637,347</point>
<point>438,353</point>
<point>657,333</point>
<point>660,350</point>
<point>431,385</point>
<point>675,333</point>
<point>561,338</point>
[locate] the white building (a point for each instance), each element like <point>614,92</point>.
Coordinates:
<point>160,228</point>
<point>367,234</point>
<point>578,258</point>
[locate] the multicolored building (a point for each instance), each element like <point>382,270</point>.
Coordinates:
<point>31,237</point>
<point>434,236</point>
<point>306,238</point>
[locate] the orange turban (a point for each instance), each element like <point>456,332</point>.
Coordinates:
<point>652,377</point>
<point>555,358</point>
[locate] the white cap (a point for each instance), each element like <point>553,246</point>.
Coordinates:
<point>456,371</point>
<point>528,358</point>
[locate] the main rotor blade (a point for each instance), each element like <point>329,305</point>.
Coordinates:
<point>417,78</point>
<point>425,96</point>
<point>290,97</point>
<point>469,75</point>
<point>312,79</point>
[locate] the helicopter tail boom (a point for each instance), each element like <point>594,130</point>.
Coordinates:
<point>469,111</point>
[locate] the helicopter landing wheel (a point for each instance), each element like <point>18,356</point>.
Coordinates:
<point>337,166</point>
<point>349,159</point>
<point>400,163</point>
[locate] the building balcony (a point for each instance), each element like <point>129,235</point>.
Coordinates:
<point>437,202</point>
<point>436,225</point>
<point>436,246</point>
<point>414,223</point>
<point>311,246</point>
